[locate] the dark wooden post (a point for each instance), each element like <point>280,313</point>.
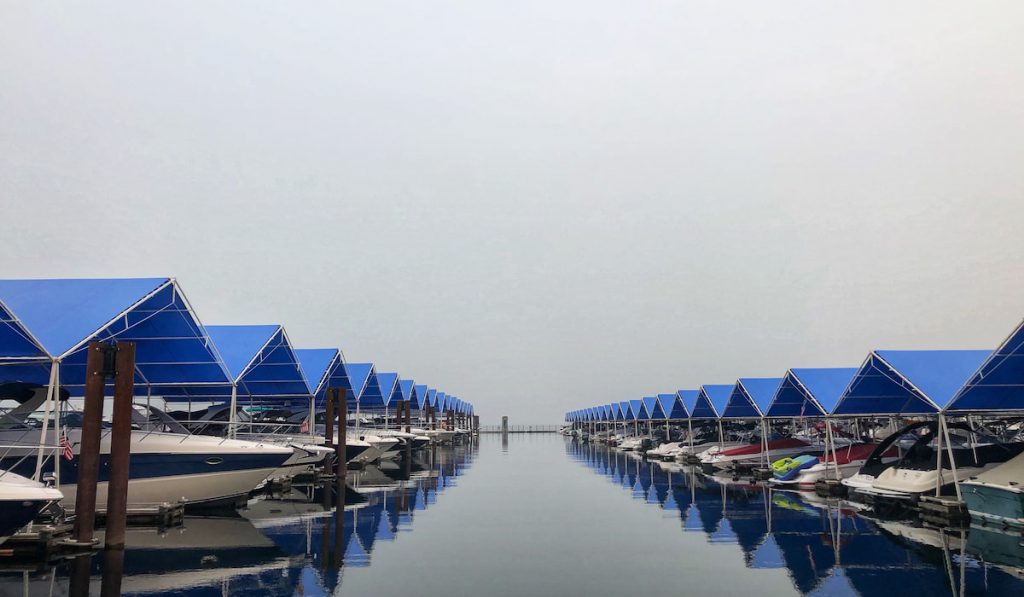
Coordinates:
<point>113,571</point>
<point>89,447</point>
<point>329,429</point>
<point>120,446</point>
<point>408,416</point>
<point>342,396</point>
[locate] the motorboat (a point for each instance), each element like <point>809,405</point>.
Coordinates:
<point>846,462</point>
<point>304,459</point>
<point>925,466</point>
<point>390,447</point>
<point>417,441</point>
<point>633,443</point>
<point>440,436</point>
<point>21,500</point>
<point>167,465</point>
<point>163,467</point>
<point>996,496</point>
<point>665,451</point>
<point>753,453</point>
<point>881,457</point>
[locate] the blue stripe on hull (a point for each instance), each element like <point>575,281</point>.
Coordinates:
<point>153,466</point>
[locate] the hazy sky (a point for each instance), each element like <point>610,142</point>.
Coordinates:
<point>533,205</point>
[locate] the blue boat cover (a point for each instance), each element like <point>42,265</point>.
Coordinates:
<point>42,320</point>
<point>636,410</point>
<point>711,401</point>
<point>419,396</point>
<point>680,409</point>
<point>357,378</point>
<point>431,398</point>
<point>999,384</point>
<point>904,382</point>
<point>810,392</point>
<point>318,364</point>
<point>652,406</point>
<point>405,389</point>
<point>15,340</point>
<point>751,397</point>
<point>260,359</point>
<point>623,413</point>
<point>379,391</point>
<point>62,313</point>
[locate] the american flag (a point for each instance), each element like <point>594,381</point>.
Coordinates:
<point>304,428</point>
<point>65,446</point>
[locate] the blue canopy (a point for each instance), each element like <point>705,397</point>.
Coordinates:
<point>616,412</point>
<point>16,342</point>
<point>318,364</point>
<point>405,389</point>
<point>442,402</point>
<point>810,392</point>
<point>260,359</point>
<point>623,413</point>
<point>998,385</point>
<point>380,391</point>
<point>652,408</point>
<point>419,396</point>
<point>903,382</point>
<point>356,378</point>
<point>680,410</point>
<point>46,320</point>
<point>635,408</point>
<point>710,401</point>
<point>431,398</point>
<point>751,397</point>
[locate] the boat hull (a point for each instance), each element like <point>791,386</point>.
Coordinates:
<point>989,504</point>
<point>165,468</point>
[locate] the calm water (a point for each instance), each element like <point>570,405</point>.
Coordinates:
<point>542,516</point>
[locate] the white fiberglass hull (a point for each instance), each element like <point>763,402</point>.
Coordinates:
<point>164,467</point>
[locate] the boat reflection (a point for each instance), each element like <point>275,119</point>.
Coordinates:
<point>298,541</point>
<point>826,546</point>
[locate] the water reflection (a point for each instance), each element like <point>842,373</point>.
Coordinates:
<point>291,543</point>
<point>827,546</point>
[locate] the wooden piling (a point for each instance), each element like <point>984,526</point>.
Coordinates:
<point>120,446</point>
<point>113,572</point>
<point>329,427</point>
<point>89,447</point>
<point>341,395</point>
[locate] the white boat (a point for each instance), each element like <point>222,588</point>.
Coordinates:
<point>304,459</point>
<point>667,450</point>
<point>164,467</point>
<point>918,472</point>
<point>440,436</point>
<point>997,496</point>
<point>850,460</point>
<point>753,453</point>
<point>21,500</point>
<point>631,443</point>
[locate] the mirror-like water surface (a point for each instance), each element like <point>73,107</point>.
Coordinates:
<point>540,515</point>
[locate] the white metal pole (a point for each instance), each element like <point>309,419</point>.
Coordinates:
<point>47,410</point>
<point>231,415</point>
<point>952,463</point>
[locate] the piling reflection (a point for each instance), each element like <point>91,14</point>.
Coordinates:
<point>826,546</point>
<point>297,541</point>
